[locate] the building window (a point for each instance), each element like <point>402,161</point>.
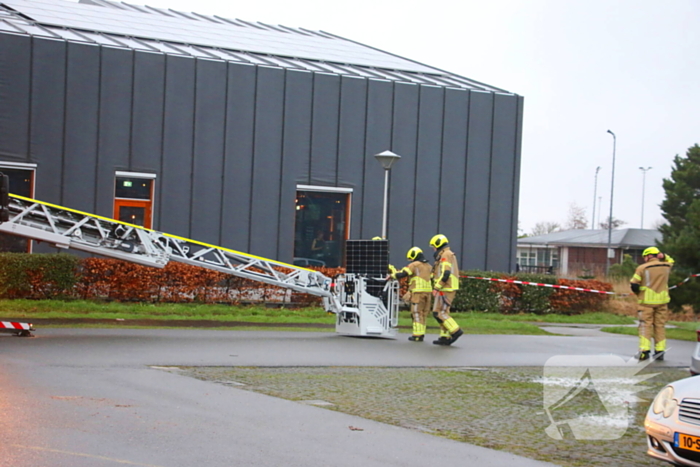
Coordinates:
<point>322,225</point>
<point>21,183</point>
<point>527,257</point>
<point>133,198</point>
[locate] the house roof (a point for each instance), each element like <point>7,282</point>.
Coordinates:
<point>115,24</point>
<point>625,238</point>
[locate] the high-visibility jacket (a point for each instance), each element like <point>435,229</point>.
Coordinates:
<point>419,273</point>
<point>446,262</point>
<point>652,278</point>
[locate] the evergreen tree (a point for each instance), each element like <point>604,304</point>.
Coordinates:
<point>681,231</point>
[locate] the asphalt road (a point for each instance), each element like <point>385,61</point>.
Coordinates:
<point>107,397</point>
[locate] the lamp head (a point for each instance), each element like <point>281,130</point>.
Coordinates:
<point>387,159</point>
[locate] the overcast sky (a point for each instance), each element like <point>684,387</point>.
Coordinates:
<point>583,67</point>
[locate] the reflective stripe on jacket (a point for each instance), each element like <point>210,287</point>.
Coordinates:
<point>446,261</point>
<point>419,273</point>
<point>652,278</point>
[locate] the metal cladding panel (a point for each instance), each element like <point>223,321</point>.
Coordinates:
<point>351,145</point>
<point>453,167</point>
<point>476,202</point>
<point>176,182</point>
<point>47,103</point>
<point>324,130</point>
<point>516,184</point>
<point>147,128</point>
<point>15,66</point>
<point>269,111</point>
<point>208,163</point>
<point>403,172</point>
<point>296,148</point>
<point>238,156</point>
<point>116,77</point>
<point>503,161</point>
<point>80,150</point>
<point>378,139</point>
<point>428,186</point>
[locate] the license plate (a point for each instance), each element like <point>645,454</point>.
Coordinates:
<point>689,442</point>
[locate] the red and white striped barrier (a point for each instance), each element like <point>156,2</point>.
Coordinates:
<point>684,281</point>
<point>566,287</point>
<point>17,328</point>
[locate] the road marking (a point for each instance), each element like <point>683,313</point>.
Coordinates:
<point>80,454</point>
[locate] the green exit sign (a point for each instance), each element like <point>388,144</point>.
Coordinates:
<point>127,183</point>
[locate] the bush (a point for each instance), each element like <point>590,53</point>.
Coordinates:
<point>624,270</point>
<point>37,276</point>
<point>507,297</point>
<point>478,295</point>
<point>534,299</point>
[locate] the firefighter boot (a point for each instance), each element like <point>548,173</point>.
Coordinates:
<point>416,338</point>
<point>642,355</point>
<point>442,341</point>
<point>659,355</point>
<point>456,336</point>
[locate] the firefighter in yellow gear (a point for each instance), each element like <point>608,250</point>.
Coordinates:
<point>650,284</point>
<point>445,286</point>
<point>419,288</point>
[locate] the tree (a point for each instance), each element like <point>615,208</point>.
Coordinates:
<point>681,231</point>
<point>577,218</point>
<point>615,223</point>
<point>543,228</point>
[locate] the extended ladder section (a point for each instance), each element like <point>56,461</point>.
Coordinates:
<point>358,313</point>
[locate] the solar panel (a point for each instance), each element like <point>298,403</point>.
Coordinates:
<point>370,257</point>
<point>205,33</point>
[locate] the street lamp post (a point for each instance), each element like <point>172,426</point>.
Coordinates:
<point>644,177</point>
<point>387,159</point>
<point>595,189</point>
<point>612,189</point>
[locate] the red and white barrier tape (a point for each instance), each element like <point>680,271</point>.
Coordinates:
<point>15,326</point>
<point>684,281</point>
<point>566,287</point>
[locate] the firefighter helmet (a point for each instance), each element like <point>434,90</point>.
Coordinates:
<point>413,253</point>
<point>377,238</point>
<point>438,241</point>
<point>652,250</point>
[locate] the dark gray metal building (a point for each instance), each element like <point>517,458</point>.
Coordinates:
<point>254,137</point>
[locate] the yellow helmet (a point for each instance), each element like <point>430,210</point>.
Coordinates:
<point>652,250</point>
<point>377,238</point>
<point>438,241</point>
<point>413,253</point>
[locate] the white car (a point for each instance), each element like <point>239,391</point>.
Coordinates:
<point>673,423</point>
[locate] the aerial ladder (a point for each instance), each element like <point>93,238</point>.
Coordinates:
<point>358,312</point>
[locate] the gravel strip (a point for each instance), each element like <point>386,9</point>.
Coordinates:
<point>498,408</point>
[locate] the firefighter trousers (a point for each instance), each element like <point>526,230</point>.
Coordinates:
<point>652,324</point>
<point>420,307</point>
<point>441,312</point>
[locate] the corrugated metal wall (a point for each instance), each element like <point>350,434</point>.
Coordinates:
<point>229,143</point>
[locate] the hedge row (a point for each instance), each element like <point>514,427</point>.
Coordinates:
<point>505,297</point>
<point>64,276</point>
<point>50,276</point>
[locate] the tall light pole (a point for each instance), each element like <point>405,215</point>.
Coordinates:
<point>595,189</point>
<point>387,159</point>
<point>644,178</point>
<point>612,190</point>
